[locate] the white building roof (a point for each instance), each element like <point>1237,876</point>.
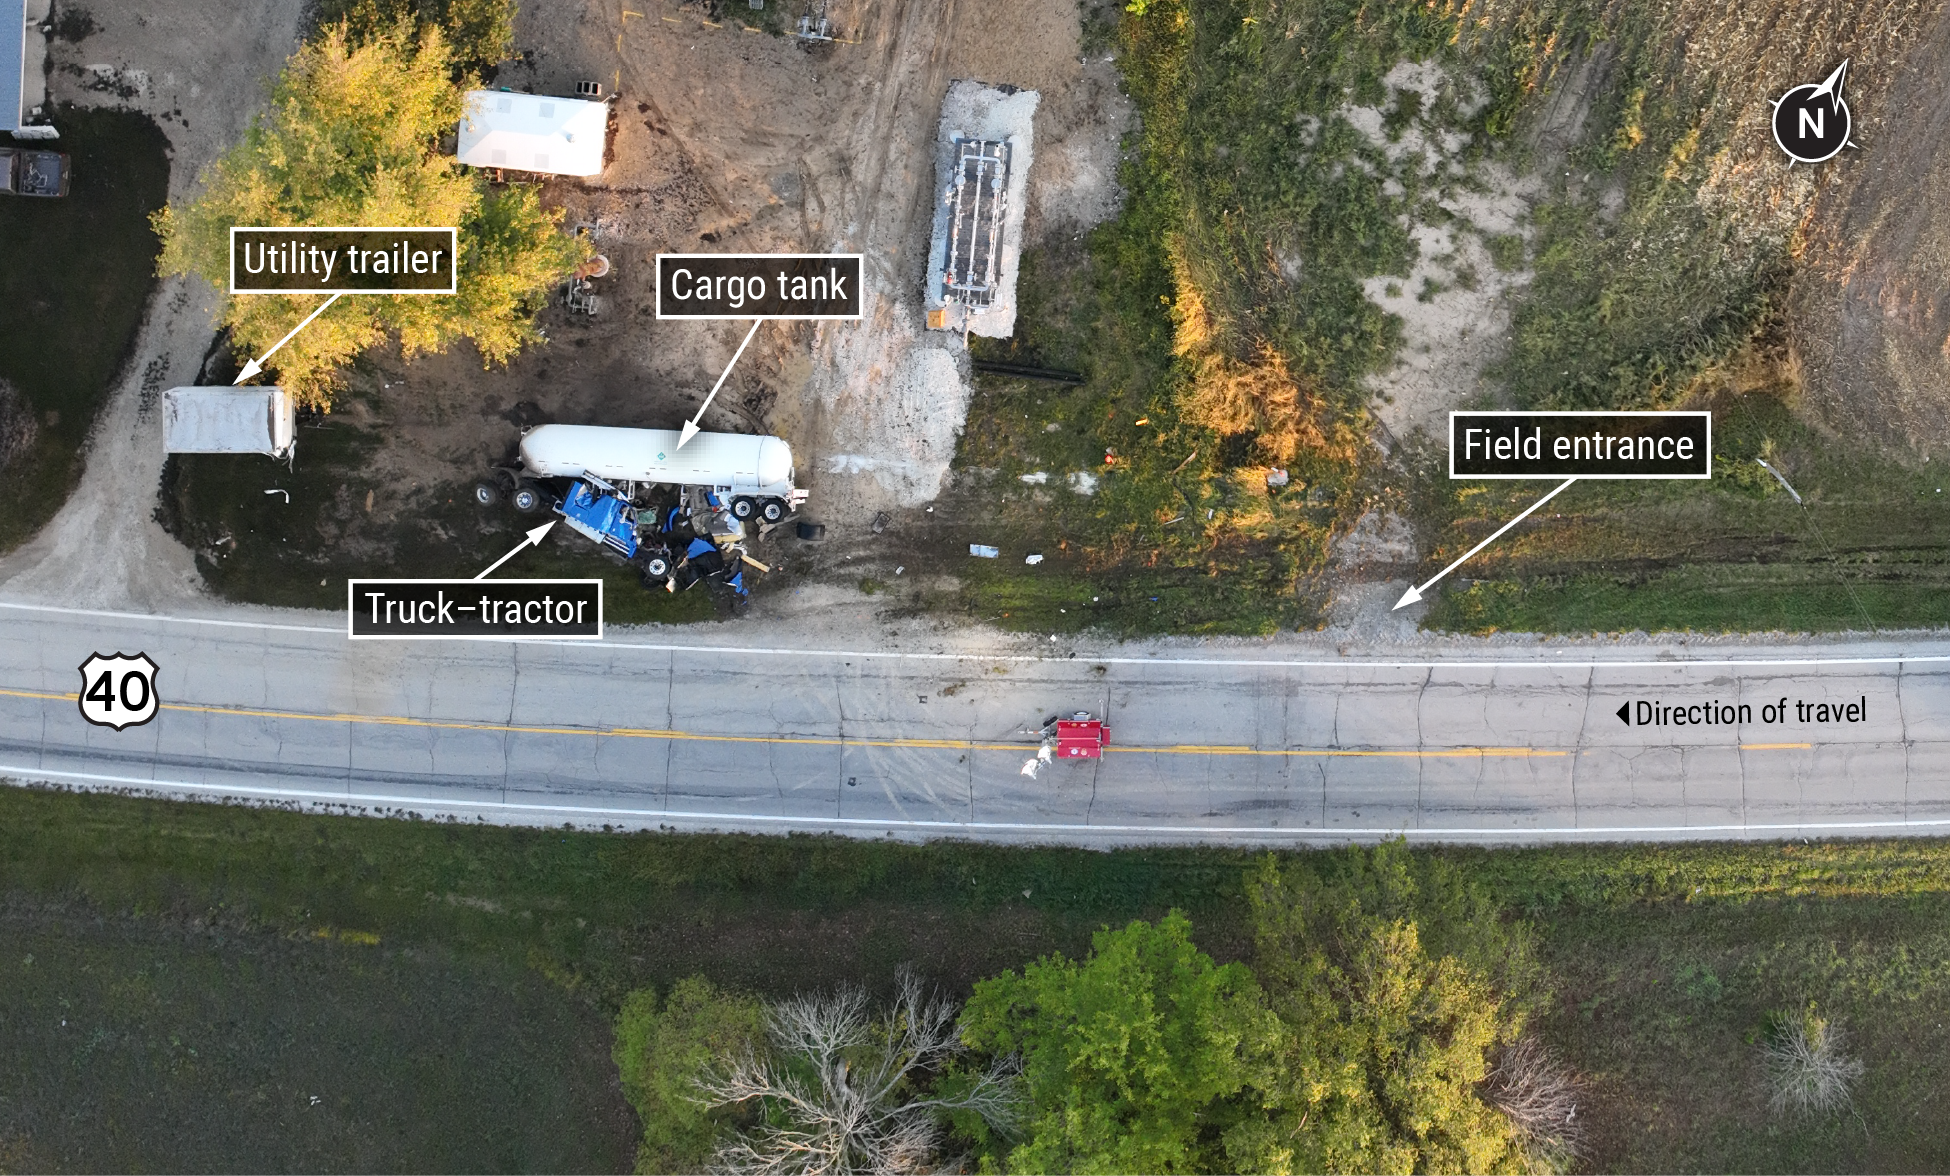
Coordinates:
<point>229,420</point>
<point>533,133</point>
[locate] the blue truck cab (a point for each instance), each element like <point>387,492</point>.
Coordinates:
<point>595,509</point>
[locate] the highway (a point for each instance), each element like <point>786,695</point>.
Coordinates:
<point>1242,745</point>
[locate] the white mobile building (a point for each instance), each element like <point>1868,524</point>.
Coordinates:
<point>533,133</point>
<point>230,420</point>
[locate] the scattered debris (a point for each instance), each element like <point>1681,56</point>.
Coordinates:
<point>1033,558</point>
<point>984,550</point>
<point>1276,478</point>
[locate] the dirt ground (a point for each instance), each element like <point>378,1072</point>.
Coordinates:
<point>725,140</point>
<point>200,68</point>
<point>1871,307</point>
<point>729,140</point>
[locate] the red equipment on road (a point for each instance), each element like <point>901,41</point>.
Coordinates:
<point>1081,739</point>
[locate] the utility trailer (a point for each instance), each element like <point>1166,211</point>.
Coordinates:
<point>230,420</point>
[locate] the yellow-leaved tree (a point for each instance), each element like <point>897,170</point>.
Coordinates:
<point>351,137</point>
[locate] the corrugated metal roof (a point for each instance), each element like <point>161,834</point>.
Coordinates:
<point>533,132</point>
<point>13,63</point>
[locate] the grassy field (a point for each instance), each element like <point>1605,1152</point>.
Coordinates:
<point>444,990</point>
<point>1864,550</point>
<point>1222,326</point>
<point>78,272</point>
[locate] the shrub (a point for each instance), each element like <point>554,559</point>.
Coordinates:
<point>1540,1098</point>
<point>1809,1070</point>
<point>662,1049</point>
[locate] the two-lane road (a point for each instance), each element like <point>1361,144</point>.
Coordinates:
<point>651,732</point>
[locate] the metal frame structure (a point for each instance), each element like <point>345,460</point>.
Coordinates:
<point>969,273</point>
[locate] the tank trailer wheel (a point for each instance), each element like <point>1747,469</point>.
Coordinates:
<point>487,494</point>
<point>528,498</point>
<point>772,511</point>
<point>743,508</point>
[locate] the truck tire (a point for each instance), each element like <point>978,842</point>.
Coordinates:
<point>743,508</point>
<point>771,510</point>
<point>656,567</point>
<point>487,494</point>
<point>529,498</point>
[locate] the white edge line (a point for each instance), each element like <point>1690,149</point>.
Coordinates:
<point>420,803</point>
<point>778,651</point>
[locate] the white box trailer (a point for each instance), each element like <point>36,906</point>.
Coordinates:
<point>230,420</point>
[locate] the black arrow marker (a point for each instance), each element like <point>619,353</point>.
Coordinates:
<point>1624,713</point>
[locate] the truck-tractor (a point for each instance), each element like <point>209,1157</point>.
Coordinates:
<point>597,478</point>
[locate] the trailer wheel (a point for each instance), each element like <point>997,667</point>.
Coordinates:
<point>487,494</point>
<point>743,508</point>
<point>528,498</point>
<point>772,511</point>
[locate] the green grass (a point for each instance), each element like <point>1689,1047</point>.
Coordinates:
<point>445,988</point>
<point>78,272</point>
<point>1865,549</point>
<point>135,1043</point>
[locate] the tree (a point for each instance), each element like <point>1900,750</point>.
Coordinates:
<point>662,1047</point>
<point>840,1091</point>
<point>1385,977</point>
<point>1124,1053</point>
<point>351,138</point>
<point>482,32</point>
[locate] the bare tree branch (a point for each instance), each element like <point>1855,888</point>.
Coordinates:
<point>840,1090</point>
<point>1540,1097</point>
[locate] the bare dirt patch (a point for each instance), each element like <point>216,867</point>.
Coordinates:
<point>1871,308</point>
<point>725,139</point>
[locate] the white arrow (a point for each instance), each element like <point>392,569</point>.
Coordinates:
<point>257,365</point>
<point>1414,594</point>
<point>1833,86</point>
<point>534,540</point>
<point>690,426</point>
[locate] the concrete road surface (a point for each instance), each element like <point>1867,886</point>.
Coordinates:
<point>1245,748</point>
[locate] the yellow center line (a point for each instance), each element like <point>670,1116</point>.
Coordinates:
<point>837,741</point>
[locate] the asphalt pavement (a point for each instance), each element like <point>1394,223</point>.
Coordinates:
<point>1244,747</point>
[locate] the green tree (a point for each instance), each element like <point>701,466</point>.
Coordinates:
<point>351,138</point>
<point>663,1048</point>
<point>1125,1053</point>
<point>1394,983</point>
<point>482,32</point>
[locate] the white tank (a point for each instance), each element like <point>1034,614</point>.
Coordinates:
<point>745,465</point>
